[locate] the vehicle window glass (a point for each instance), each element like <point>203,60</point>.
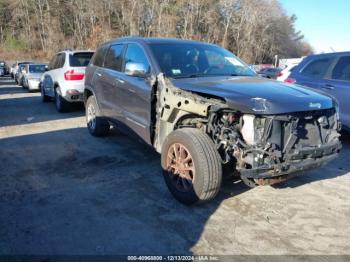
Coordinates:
<point>59,62</point>
<point>214,59</point>
<point>99,56</point>
<point>52,62</point>
<point>342,69</point>
<point>135,54</point>
<point>318,68</point>
<point>292,68</point>
<point>21,68</point>
<point>37,68</point>
<point>114,58</point>
<point>181,60</point>
<point>80,59</point>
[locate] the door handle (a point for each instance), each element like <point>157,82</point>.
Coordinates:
<point>328,86</point>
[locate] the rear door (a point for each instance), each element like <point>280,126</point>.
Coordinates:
<point>109,79</point>
<point>47,81</point>
<point>337,84</point>
<point>93,73</point>
<point>56,73</point>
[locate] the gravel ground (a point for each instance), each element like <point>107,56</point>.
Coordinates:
<point>65,192</point>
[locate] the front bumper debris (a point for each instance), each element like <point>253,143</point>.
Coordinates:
<point>301,160</point>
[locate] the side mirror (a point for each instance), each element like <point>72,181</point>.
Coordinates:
<point>136,69</point>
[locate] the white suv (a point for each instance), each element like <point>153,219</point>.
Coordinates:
<point>64,80</point>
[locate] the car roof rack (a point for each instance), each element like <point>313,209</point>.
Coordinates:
<point>65,49</point>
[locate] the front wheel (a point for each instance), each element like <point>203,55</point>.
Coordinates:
<point>191,166</point>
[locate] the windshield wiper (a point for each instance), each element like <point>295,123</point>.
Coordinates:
<point>207,75</point>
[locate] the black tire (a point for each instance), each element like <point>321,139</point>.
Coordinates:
<point>206,163</point>
<point>61,104</point>
<point>96,124</point>
<point>44,97</point>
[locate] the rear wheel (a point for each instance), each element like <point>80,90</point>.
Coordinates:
<point>97,125</point>
<point>191,166</point>
<point>62,105</point>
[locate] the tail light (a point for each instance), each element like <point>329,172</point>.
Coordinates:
<point>71,75</point>
<point>280,73</point>
<point>290,80</point>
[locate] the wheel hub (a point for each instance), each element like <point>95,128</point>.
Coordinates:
<point>180,166</point>
<point>91,116</point>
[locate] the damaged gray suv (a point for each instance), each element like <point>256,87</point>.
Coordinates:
<point>202,108</point>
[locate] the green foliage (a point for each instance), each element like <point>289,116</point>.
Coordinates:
<point>15,44</point>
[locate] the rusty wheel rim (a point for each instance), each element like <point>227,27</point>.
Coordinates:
<point>180,167</point>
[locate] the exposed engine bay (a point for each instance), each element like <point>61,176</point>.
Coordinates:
<point>264,148</point>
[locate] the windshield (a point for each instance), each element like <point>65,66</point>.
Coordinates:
<point>181,60</point>
<point>37,68</point>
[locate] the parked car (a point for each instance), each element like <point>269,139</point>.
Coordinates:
<point>329,73</point>
<point>270,72</point>
<point>3,68</point>
<point>32,76</point>
<point>284,74</point>
<point>20,73</point>
<point>2,71</point>
<point>64,80</point>
<point>15,70</point>
<point>12,70</point>
<point>201,107</point>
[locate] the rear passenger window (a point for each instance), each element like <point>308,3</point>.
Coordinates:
<point>114,58</point>
<point>318,68</point>
<point>342,69</point>
<point>80,59</point>
<point>53,62</point>
<point>61,58</point>
<point>99,56</point>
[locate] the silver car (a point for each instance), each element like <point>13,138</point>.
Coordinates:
<point>32,75</point>
<point>19,74</point>
<point>15,71</point>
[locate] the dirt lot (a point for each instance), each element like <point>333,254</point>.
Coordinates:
<point>65,192</point>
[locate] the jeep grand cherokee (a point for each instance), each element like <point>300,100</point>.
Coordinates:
<point>201,107</point>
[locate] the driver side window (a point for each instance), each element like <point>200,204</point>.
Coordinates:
<point>135,54</point>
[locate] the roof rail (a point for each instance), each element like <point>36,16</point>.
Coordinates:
<point>65,49</point>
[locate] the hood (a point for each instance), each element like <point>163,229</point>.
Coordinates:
<point>255,95</point>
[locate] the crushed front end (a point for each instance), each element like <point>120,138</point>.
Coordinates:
<point>268,149</point>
